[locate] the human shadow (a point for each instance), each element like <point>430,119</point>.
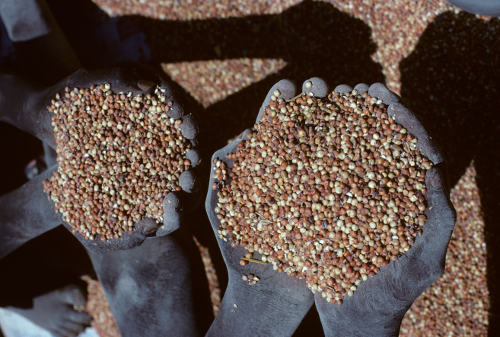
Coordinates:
<point>451,81</point>
<point>313,38</point>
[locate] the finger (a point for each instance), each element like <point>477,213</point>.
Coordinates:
<point>187,181</point>
<point>343,89</point>
<point>283,89</point>
<point>171,202</point>
<point>439,205</point>
<point>221,154</point>
<point>481,7</point>
<point>174,111</point>
<point>73,295</point>
<point>146,85</point>
<point>171,223</point>
<point>188,127</point>
<point>171,215</point>
<point>406,118</point>
<point>380,91</point>
<point>361,88</point>
<point>429,250</point>
<point>194,157</point>
<point>315,86</point>
<point>146,226</point>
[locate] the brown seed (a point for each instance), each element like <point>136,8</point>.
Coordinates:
<point>311,189</point>
<point>106,169</point>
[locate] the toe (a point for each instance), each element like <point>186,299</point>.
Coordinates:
<point>73,295</point>
<point>80,317</point>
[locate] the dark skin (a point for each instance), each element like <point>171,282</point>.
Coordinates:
<point>296,301</point>
<point>58,311</point>
<point>379,304</point>
<point>482,7</point>
<point>162,304</point>
<point>24,107</point>
<point>26,213</point>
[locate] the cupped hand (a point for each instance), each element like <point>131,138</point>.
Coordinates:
<point>26,107</point>
<point>258,301</point>
<point>378,305</point>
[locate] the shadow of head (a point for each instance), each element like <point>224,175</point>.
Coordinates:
<point>313,38</point>
<point>451,81</point>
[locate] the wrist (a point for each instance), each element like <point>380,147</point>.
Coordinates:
<point>349,320</point>
<point>266,308</point>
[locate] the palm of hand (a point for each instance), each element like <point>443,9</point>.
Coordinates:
<point>29,204</point>
<point>379,304</point>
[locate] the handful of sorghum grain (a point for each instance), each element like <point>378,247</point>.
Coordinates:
<point>326,189</point>
<point>119,154</point>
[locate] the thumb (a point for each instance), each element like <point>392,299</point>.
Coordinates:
<point>171,215</point>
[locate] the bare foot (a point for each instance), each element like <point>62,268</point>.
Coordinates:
<point>58,311</point>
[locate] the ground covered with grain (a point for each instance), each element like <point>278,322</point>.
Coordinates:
<point>444,62</point>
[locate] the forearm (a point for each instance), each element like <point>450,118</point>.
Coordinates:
<point>150,288</point>
<point>25,214</point>
<point>340,324</point>
<point>257,310</point>
<point>24,107</point>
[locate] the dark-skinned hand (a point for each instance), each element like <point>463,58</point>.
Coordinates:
<point>277,303</point>
<point>379,304</point>
<point>27,212</point>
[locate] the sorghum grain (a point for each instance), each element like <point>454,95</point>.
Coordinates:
<point>327,189</point>
<point>119,154</point>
